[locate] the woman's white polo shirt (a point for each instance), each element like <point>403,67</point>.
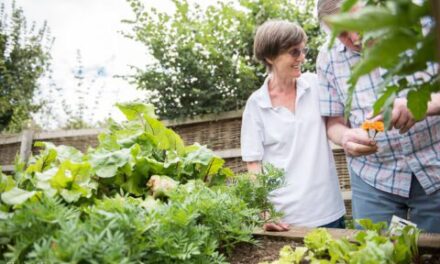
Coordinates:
<point>297,143</point>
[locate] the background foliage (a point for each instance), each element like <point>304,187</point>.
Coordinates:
<point>405,42</point>
<point>203,61</point>
<point>24,57</point>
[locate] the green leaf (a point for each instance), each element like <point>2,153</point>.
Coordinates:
<point>108,141</point>
<point>348,4</point>
<point>106,163</point>
<point>175,142</point>
<point>156,167</point>
<point>43,181</point>
<point>418,102</point>
<point>158,131</point>
<point>43,161</point>
<point>147,142</point>
<point>16,196</point>
<point>198,160</point>
<point>136,110</point>
<point>384,53</point>
<point>69,173</point>
<point>73,181</point>
<point>388,110</point>
<point>318,241</point>
<point>390,92</point>
<point>339,250</point>
<point>368,18</point>
<point>6,182</point>
<point>65,152</point>
<point>136,183</point>
<point>368,224</point>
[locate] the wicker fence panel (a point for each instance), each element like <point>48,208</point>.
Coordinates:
<point>236,164</point>
<point>8,152</point>
<point>217,135</point>
<point>81,143</point>
<point>341,168</point>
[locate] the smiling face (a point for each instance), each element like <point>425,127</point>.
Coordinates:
<point>288,64</point>
<point>275,44</point>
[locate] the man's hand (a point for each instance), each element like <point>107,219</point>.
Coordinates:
<point>356,142</point>
<point>401,117</point>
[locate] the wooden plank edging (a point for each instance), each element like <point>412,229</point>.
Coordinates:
<point>203,118</point>
<point>426,240</point>
<point>7,168</point>
<point>10,139</point>
<point>67,133</point>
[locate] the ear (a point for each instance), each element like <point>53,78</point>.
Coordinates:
<point>343,37</point>
<point>348,42</point>
<point>269,61</point>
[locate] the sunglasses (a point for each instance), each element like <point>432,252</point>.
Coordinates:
<point>296,52</point>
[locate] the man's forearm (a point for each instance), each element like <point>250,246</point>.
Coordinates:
<point>434,105</point>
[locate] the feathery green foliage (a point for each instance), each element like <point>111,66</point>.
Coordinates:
<point>140,196</point>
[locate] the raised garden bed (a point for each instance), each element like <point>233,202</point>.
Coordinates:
<point>270,244</point>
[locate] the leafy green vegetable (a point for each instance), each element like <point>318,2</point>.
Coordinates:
<point>97,208</point>
<point>16,196</point>
<point>318,241</point>
<point>371,245</point>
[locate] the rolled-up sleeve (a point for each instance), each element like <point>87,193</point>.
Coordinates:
<point>330,103</point>
<point>251,134</point>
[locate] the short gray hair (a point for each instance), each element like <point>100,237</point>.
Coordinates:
<point>274,37</point>
<point>327,8</point>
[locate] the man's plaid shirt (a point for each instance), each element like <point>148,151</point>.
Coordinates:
<point>400,155</point>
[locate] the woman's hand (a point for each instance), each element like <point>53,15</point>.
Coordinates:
<point>273,226</point>
<point>278,227</point>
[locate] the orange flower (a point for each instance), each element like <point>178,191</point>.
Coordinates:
<point>366,125</point>
<point>377,126</point>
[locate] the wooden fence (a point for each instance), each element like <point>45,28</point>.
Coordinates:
<point>220,133</point>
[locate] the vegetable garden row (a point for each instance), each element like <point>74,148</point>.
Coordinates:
<point>142,196</point>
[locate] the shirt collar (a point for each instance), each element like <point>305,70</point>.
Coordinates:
<point>263,97</point>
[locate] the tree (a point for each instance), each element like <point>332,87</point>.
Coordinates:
<point>23,59</point>
<point>405,41</point>
<point>203,59</point>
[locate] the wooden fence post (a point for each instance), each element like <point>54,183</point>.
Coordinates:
<point>27,137</point>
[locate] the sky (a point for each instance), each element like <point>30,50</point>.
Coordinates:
<point>92,29</point>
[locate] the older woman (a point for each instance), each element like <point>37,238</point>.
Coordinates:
<point>282,125</point>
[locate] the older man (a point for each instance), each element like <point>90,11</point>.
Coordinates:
<point>399,172</point>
